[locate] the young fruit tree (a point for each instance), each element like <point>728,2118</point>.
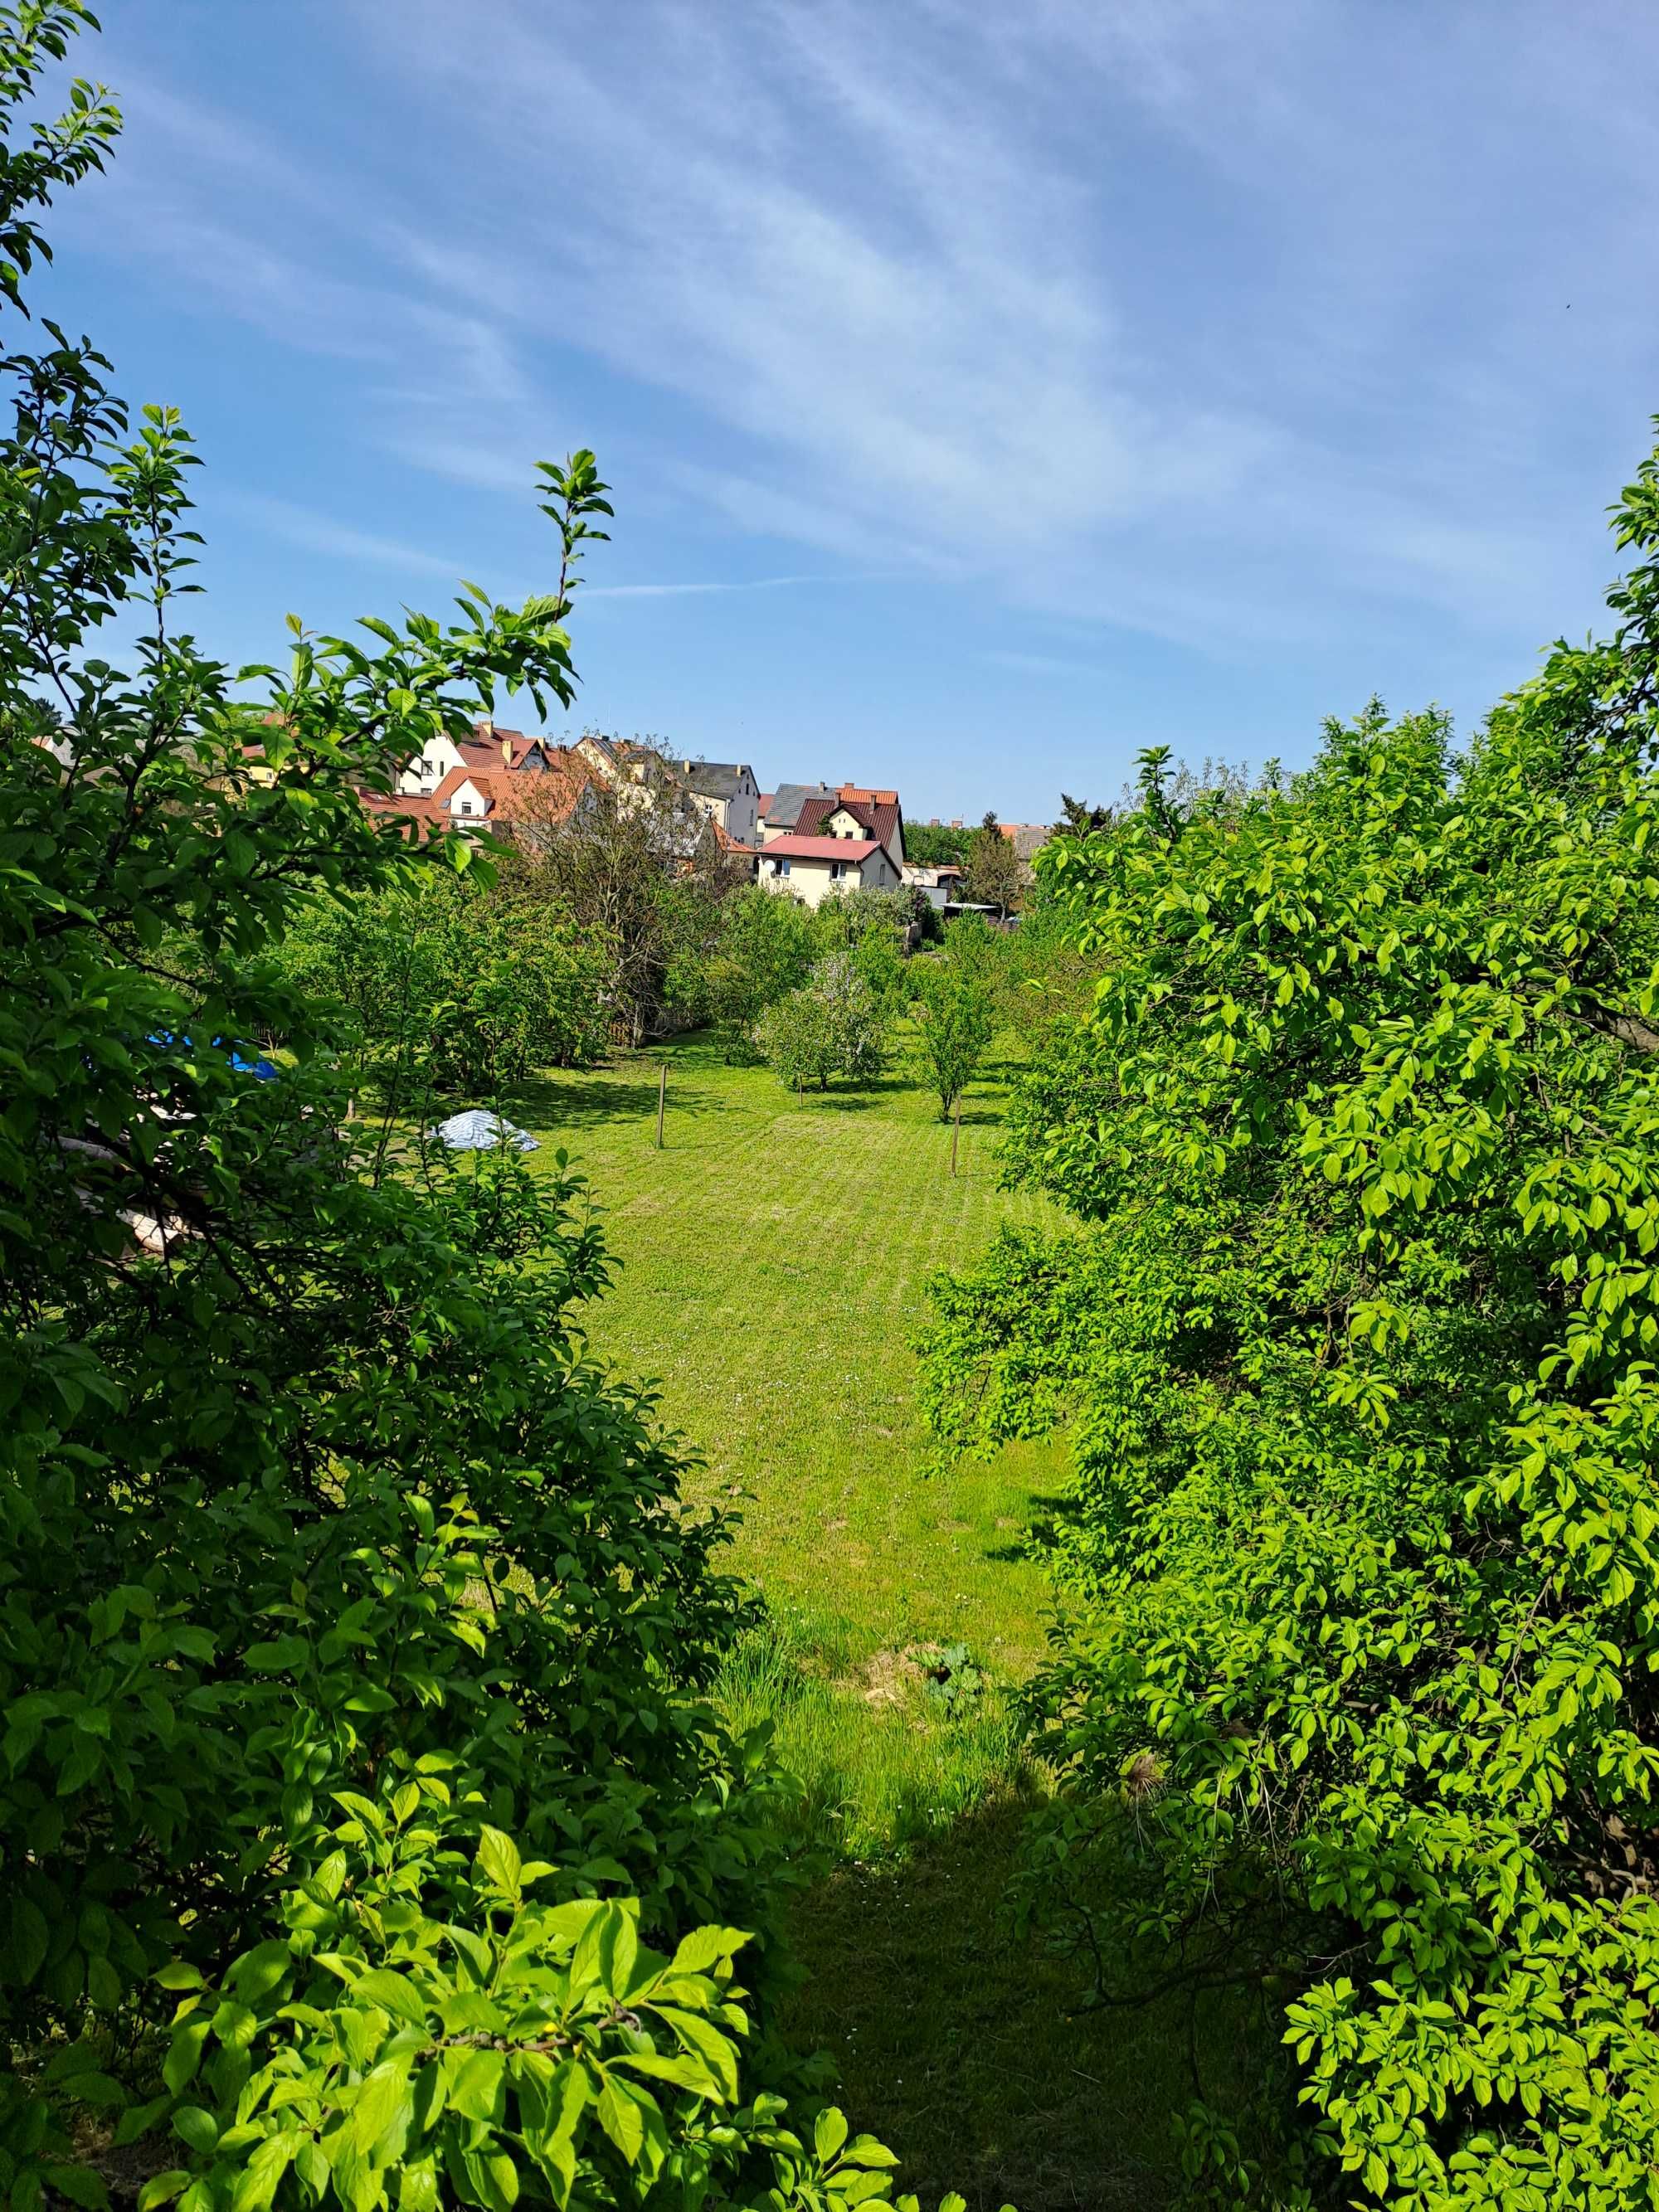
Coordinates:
<point>833,1026</point>
<point>954,1014</point>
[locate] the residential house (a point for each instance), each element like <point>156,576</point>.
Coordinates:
<point>820,838</point>
<point>1026,838</point>
<point>778,813</point>
<point>815,868</point>
<point>492,784</point>
<point>726,791</point>
<point>852,811</point>
<point>490,750</point>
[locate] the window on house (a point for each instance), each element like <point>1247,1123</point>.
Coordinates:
<point>466,806</point>
<point>783,867</point>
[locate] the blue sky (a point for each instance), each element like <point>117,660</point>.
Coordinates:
<point>986,391</point>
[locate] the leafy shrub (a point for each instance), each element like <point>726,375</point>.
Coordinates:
<point>834,1026</point>
<point>424,2030</point>
<point>1357,1336</point>
<point>480,986</point>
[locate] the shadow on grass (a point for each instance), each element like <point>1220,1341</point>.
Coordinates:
<point>961,2044</point>
<point>589,1100</point>
<point>1040,1534</point>
<point>580,1100</point>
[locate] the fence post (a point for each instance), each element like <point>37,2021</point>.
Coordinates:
<point>662,1099</point>
<point>955,1132</point>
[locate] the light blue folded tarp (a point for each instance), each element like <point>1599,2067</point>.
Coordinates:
<point>475,1131</point>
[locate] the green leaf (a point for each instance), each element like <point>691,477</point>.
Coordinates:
<point>829,2133</point>
<point>864,2150</point>
<point>621,2120</point>
<point>475,2089</point>
<point>80,2185</point>
<point>382,2102</point>
<point>29,1938</point>
<point>704,1949</point>
<point>196,2127</point>
<point>184,2054</point>
<point>393,1993</point>
<point>498,1861</point>
<point>162,2189</point>
<point>259,1971</point>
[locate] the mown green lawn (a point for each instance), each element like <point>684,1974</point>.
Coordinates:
<point>774,1256</point>
<point>772,1263</point>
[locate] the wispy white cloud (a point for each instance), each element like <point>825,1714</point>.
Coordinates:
<point>1223,324</point>
<point>334,540</point>
<point>684,591</point>
<point>1042,664</point>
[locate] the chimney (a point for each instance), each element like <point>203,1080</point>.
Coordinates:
<point>507,751</point>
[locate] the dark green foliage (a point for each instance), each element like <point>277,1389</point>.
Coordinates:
<point>1357,1337</point>
<point>764,951</point>
<point>936,845</point>
<point>476,984</point>
<point>993,876</point>
<point>342,1600</point>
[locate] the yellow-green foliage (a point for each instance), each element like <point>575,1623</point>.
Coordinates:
<point>1356,1705</point>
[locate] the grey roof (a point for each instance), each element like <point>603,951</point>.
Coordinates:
<point>715,778</point>
<point>788,801</point>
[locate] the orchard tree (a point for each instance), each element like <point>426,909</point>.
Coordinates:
<point>633,866</point>
<point>955,1018</point>
<point>992,875</point>
<point>472,984</point>
<point>763,951</point>
<point>834,1026</point>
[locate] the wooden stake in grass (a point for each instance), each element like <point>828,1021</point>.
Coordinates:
<point>955,1132</point>
<point>662,1099</point>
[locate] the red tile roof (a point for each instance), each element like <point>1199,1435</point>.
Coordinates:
<point>509,795</point>
<point>823,848</point>
<point>410,806</point>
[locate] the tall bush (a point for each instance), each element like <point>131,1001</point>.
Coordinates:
<point>1354,1700</point>
<point>476,986</point>
<point>764,950</point>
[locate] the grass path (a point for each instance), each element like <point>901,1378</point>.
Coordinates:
<point>773,1264</point>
